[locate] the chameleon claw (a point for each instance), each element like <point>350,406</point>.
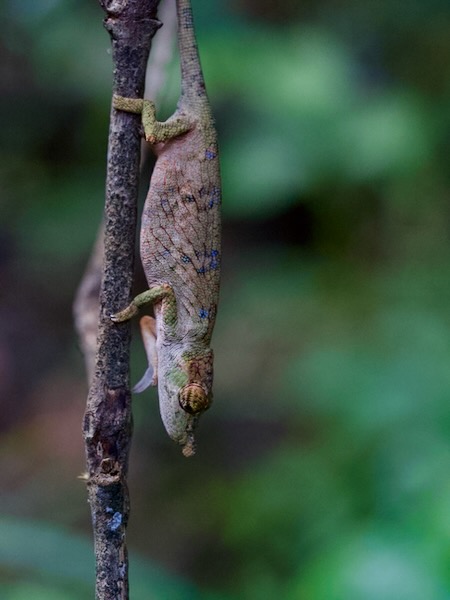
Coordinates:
<point>125,314</point>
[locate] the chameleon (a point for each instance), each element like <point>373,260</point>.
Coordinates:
<point>180,246</point>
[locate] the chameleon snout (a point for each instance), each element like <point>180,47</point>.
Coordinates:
<point>193,398</point>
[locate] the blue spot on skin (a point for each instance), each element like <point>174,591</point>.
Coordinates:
<point>210,260</point>
<point>185,259</point>
<point>215,197</point>
<point>214,264</point>
<point>203,313</point>
<point>210,154</point>
<point>116,521</point>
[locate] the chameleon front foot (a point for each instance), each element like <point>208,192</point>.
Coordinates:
<point>154,131</point>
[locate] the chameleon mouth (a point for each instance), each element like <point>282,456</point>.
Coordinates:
<point>188,449</point>
<point>193,398</point>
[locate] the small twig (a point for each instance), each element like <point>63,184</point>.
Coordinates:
<point>107,423</point>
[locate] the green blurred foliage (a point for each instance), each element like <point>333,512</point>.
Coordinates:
<point>61,566</point>
<point>322,469</point>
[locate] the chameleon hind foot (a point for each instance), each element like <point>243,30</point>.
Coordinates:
<point>126,313</point>
<point>154,294</point>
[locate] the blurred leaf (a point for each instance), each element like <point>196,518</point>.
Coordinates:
<point>291,519</point>
<point>52,552</point>
<point>384,138</point>
<point>68,215</point>
<point>310,121</point>
<point>60,56</point>
<point>40,591</point>
<point>375,566</point>
<point>273,169</point>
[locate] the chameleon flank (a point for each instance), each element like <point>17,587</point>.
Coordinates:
<point>180,246</point>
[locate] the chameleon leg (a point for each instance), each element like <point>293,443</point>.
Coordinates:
<point>154,294</point>
<point>132,105</point>
<point>155,131</point>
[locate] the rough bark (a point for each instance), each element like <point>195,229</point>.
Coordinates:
<point>108,422</point>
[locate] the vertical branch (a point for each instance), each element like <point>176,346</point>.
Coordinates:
<point>107,422</point>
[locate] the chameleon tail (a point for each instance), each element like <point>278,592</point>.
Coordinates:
<point>192,82</point>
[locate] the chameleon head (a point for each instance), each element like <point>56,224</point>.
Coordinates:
<point>185,391</point>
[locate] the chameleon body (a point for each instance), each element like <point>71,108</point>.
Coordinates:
<point>180,246</point>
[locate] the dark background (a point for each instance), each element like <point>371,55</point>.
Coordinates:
<point>322,468</point>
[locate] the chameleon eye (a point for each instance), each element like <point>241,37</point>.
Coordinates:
<point>193,398</point>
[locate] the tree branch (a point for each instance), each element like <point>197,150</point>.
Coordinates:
<point>107,422</point>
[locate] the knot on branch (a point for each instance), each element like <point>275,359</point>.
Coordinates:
<point>133,20</point>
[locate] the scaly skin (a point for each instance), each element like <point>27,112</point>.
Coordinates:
<point>180,245</point>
